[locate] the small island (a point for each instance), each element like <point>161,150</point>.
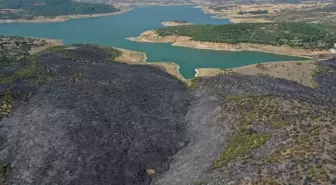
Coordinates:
<point>176,23</point>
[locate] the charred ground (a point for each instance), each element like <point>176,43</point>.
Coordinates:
<point>281,132</point>
<point>70,120</point>
<point>71,115</point>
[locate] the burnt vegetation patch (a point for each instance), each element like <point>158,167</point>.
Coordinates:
<point>69,115</point>
<point>85,52</point>
<point>277,123</point>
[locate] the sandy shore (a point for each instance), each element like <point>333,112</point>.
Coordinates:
<point>182,41</point>
<point>49,43</point>
<point>62,18</point>
<point>139,58</point>
<point>174,23</point>
<point>127,56</point>
<point>300,72</point>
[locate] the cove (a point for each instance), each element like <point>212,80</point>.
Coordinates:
<point>112,31</point>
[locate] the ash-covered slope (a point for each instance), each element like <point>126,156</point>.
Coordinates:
<point>259,130</point>
<point>72,115</point>
<point>74,121</point>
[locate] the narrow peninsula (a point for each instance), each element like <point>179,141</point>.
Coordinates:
<point>296,39</point>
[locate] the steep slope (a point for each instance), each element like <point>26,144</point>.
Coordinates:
<point>74,115</point>
<point>83,120</point>
<point>259,130</point>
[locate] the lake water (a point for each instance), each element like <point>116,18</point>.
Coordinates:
<point>113,30</point>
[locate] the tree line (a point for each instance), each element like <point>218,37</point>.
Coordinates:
<point>293,34</point>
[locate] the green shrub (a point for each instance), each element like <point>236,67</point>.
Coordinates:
<point>242,143</point>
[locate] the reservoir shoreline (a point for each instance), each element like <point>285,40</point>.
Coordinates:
<point>175,23</point>
<point>140,58</point>
<point>299,71</point>
<point>63,18</point>
<point>233,19</point>
<point>151,36</point>
<point>127,56</point>
<point>114,31</point>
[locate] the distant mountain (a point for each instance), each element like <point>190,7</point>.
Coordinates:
<point>138,1</point>
<point>253,1</point>
<point>28,9</point>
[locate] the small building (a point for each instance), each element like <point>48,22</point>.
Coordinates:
<point>333,49</point>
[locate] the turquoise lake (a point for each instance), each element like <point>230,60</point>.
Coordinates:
<point>113,30</point>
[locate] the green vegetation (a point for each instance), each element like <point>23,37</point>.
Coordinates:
<point>297,35</point>
<point>272,159</point>
<point>5,106</point>
<point>235,98</point>
<point>112,53</point>
<point>242,143</point>
<point>266,182</point>
<point>301,123</point>
<point>178,21</point>
<point>252,108</point>
<point>31,71</point>
<point>302,146</point>
<point>28,9</point>
<point>18,64</point>
<point>321,15</point>
<point>220,7</point>
<point>193,83</point>
<point>315,85</point>
<point>254,12</point>
<point>318,174</point>
<point>3,169</point>
<point>17,48</point>
<point>258,107</point>
<point>198,182</point>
